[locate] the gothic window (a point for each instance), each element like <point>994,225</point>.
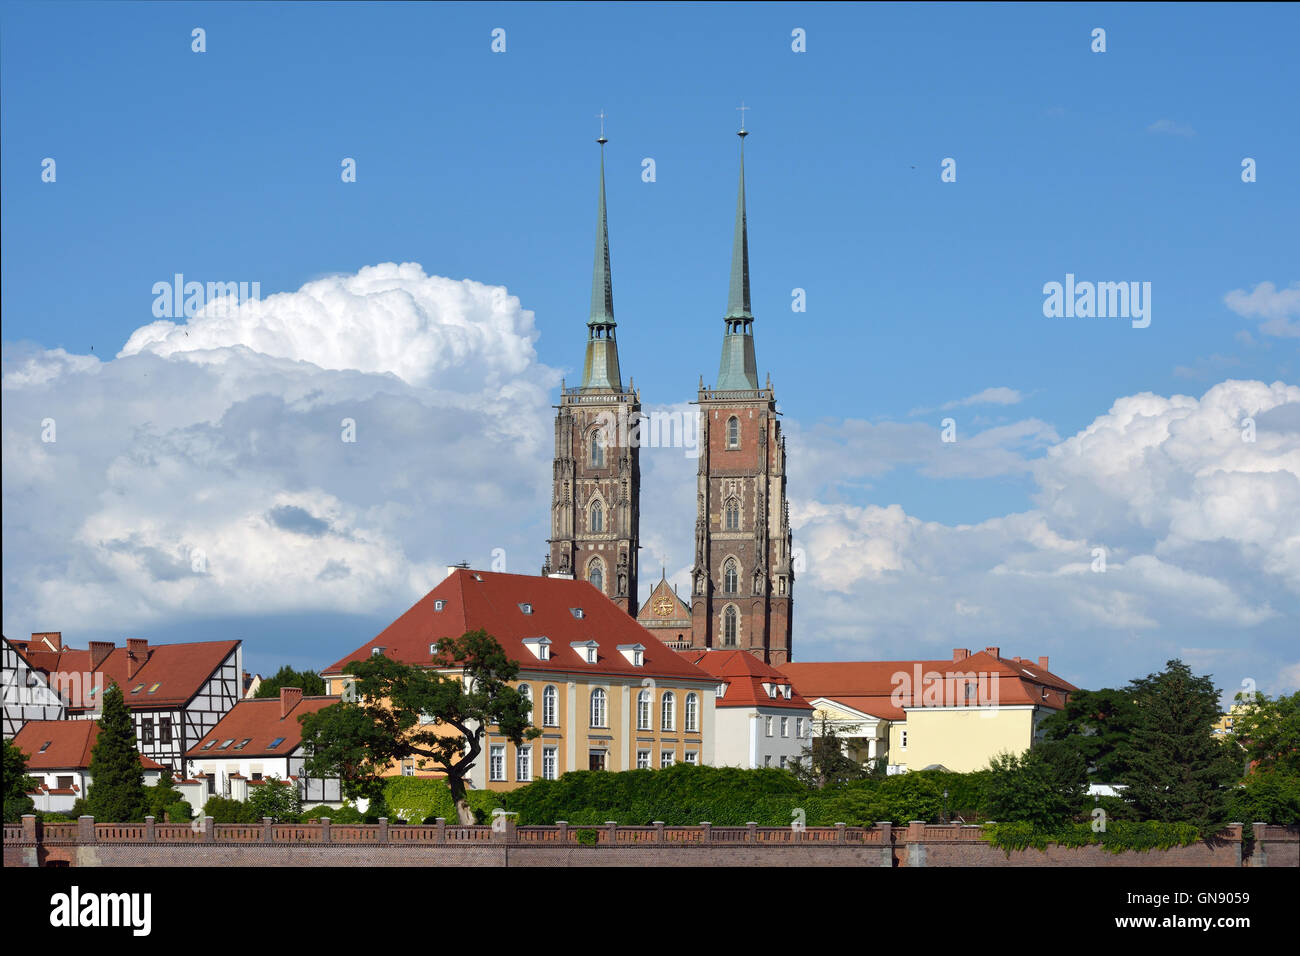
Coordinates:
<point>733,432</point>
<point>595,575</point>
<point>597,517</point>
<point>732,515</point>
<point>597,450</point>
<point>730,578</point>
<point>729,624</point>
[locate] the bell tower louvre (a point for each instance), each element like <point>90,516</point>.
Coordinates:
<point>595,499</point>
<point>742,581</point>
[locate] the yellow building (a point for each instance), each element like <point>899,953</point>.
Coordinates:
<point>912,715</point>
<point>606,694</point>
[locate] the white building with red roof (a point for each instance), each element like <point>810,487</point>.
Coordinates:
<point>606,694</point>
<point>58,759</point>
<point>762,720</point>
<point>260,739</point>
<point>176,693</point>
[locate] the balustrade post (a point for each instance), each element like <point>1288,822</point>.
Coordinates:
<point>708,831</point>
<point>612,827</point>
<point>150,833</point>
<point>840,835</point>
<point>659,831</point>
<point>86,829</point>
<point>383,830</point>
<point>564,830</point>
<point>325,829</point>
<point>441,824</point>
<point>751,832</point>
<point>209,830</point>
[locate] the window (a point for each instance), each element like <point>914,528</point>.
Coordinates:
<point>65,783</point>
<point>225,744</point>
<point>782,761</point>
<point>665,759</point>
<point>596,576</point>
<point>902,741</point>
<point>153,688</point>
<point>692,713</point>
<point>785,726</point>
<point>668,710</point>
<point>273,744</point>
<point>643,760</point>
<point>730,578</point>
<point>767,760</point>
<point>729,626</point>
<point>548,763</point>
<point>526,693</point>
<point>576,612</point>
<point>733,432</point>
<point>433,649</point>
<point>137,688</point>
<point>497,762</point>
<point>692,758</point>
<point>768,721</point>
<point>408,768</point>
<point>597,517</point>
<point>798,727</point>
<point>439,605</point>
<point>207,746</point>
<point>643,712</point>
<point>164,730</point>
<point>425,719</point>
<point>526,608</point>
<point>45,746</point>
<point>549,697</point>
<point>146,731</point>
<point>524,764</point>
<point>598,712</point>
<point>732,515</point>
<point>243,743</point>
<point>597,446</point>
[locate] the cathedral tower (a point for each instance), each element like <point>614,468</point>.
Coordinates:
<point>595,501</point>
<point>743,578</point>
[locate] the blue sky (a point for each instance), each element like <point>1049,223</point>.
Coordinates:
<point>1115,166</point>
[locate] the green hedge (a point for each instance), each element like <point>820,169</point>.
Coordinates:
<point>1118,837</point>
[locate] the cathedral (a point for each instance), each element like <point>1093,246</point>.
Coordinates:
<point>742,578</point>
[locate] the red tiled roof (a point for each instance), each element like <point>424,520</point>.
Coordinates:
<point>259,722</point>
<point>179,670</point>
<point>869,686</point>
<point>745,675</point>
<point>71,743</point>
<point>487,600</point>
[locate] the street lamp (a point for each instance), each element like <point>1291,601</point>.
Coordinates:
<point>946,818</point>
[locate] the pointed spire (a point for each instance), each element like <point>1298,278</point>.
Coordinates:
<point>738,294</point>
<point>602,291</point>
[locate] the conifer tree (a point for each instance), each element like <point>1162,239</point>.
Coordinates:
<point>116,779</point>
<point>1177,770</point>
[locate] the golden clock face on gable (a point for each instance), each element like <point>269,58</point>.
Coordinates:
<point>664,608</point>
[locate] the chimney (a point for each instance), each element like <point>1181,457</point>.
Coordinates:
<point>1042,662</point>
<point>960,653</point>
<point>51,639</point>
<point>137,652</point>
<point>993,652</point>
<point>289,697</point>
<point>99,651</point>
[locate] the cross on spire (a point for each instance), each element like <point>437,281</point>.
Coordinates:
<point>602,140</point>
<point>742,108</point>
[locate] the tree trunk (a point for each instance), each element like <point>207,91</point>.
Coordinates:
<point>463,812</point>
<point>457,785</point>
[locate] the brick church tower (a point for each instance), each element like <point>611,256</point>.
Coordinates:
<point>743,578</point>
<point>595,501</point>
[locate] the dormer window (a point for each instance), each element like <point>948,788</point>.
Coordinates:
<point>526,608</point>
<point>586,650</point>
<point>433,648</point>
<point>635,653</point>
<point>540,646</point>
<point>376,651</point>
<point>722,690</point>
<point>439,605</point>
<point>576,612</point>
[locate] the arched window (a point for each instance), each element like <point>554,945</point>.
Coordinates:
<point>729,624</point>
<point>732,519</point>
<point>668,710</point>
<point>733,432</point>
<point>643,710</point>
<point>692,712</point>
<point>597,517</point>
<point>596,576</point>
<point>526,693</point>
<point>730,578</point>
<point>597,449</point>
<point>550,700</point>
<point>598,708</point>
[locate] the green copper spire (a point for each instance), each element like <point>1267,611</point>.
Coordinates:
<point>738,370</point>
<point>600,370</point>
<point>738,295</point>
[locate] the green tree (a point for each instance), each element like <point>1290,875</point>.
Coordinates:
<point>275,798</point>
<point>1268,732</point>
<point>823,762</point>
<point>162,798</point>
<point>117,780</point>
<point>16,784</point>
<point>1043,786</point>
<point>1096,723</point>
<point>311,683</point>
<point>1177,771</point>
<point>359,741</point>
